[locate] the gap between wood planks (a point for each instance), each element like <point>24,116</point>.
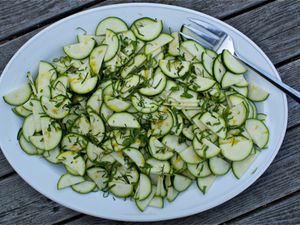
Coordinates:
<point>264,207</point>
<point>96,3</point>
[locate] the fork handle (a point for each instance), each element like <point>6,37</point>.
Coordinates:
<point>276,82</point>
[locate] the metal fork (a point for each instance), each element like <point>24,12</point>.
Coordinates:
<point>213,38</point>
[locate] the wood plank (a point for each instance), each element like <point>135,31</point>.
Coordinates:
<point>274,27</point>
<point>284,212</point>
<point>281,179</point>
<point>19,16</point>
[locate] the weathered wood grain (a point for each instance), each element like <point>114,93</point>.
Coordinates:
<point>21,15</point>
<point>274,27</point>
<point>284,212</point>
<point>279,180</point>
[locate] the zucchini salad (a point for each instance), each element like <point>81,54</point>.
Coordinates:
<point>140,113</point>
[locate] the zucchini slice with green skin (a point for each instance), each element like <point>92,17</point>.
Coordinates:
<point>201,169</point>
<point>235,148</point>
<point>218,166</point>
<point>192,50</point>
<point>218,68</point>
<point>162,122</point>
<point>173,48</point>
<point>21,111</point>
<point>19,96</point>
<point>94,153</point>
<point>99,176</point>
<point>123,120</point>
<point>60,87</point>
<point>231,63</point>
<point>205,149</point>
<point>158,166</point>
<point>57,107</point>
<point>27,147</point>
<point>73,160</point>
<point>204,183</point>
<point>81,125</point>
<point>157,84</point>
<point>144,188</point>
<point>136,156</point>
<point>215,123</point>
<point>74,142</point>
<point>230,79</point>
<point>146,28</point>
<point>181,183</point>
<point>98,38</point>
<point>80,50</point>
<point>157,202</point>
<point>51,156</point>
<point>172,141</point>
<point>208,58</point>
<point>51,135</point>
<point>96,58</point>
<point>174,68</point>
<point>144,104</point>
<point>157,43</point>
<point>113,44</point>
<point>200,84</point>
<point>256,93</point>
<point>46,75</point>
<point>68,180</point>
<point>258,132</point>
<point>142,204</point>
<point>237,115</point>
<point>239,168</point>
<point>29,127</point>
<point>116,104</point>
<point>121,190</point>
<point>158,150</point>
<point>82,84</point>
<point>133,64</point>
<point>113,23</point>
<point>97,128</point>
<point>189,155</point>
<point>95,101</point>
<point>177,163</point>
<point>84,187</point>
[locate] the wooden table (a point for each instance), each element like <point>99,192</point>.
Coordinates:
<point>273,25</point>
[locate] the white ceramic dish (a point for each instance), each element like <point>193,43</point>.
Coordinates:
<point>43,176</point>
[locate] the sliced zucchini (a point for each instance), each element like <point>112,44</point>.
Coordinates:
<point>158,150</point>
<point>143,104</point>
<point>81,125</point>
<point>174,143</point>
<point>84,187</point>
<point>204,148</point>
<point>113,23</point>
<point>239,168</point>
<point>236,148</point>
<point>68,180</point>
<point>120,190</point>
<point>157,202</point>
<point>73,160</point>
<point>189,156</point>
<point>157,43</point>
<point>19,96</point>
<point>174,68</point>
<point>158,167</point>
<point>199,170</point>
<point>218,166</point>
<point>258,132</point>
<point>215,123</point>
<point>116,104</point>
<point>95,101</point>
<point>147,29</point>
<point>208,58</point>
<point>191,50</point>
<point>46,75</point>
<point>57,107</point>
<point>26,146</point>
<point>181,183</point>
<point>230,79</point>
<point>82,84</point>
<point>113,44</point>
<point>162,121</point>
<point>156,84</point>
<point>218,68</point>
<point>96,58</point>
<point>173,48</point>
<point>142,204</point>
<point>80,50</point>
<point>133,64</point>
<point>99,176</point>
<point>123,120</point>
<point>60,87</point>
<point>231,63</point>
<point>237,115</point>
<point>136,156</point>
<point>21,111</point>
<point>256,93</point>
<point>204,183</point>
<point>74,142</point>
<point>144,188</point>
<point>51,156</point>
<point>97,128</point>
